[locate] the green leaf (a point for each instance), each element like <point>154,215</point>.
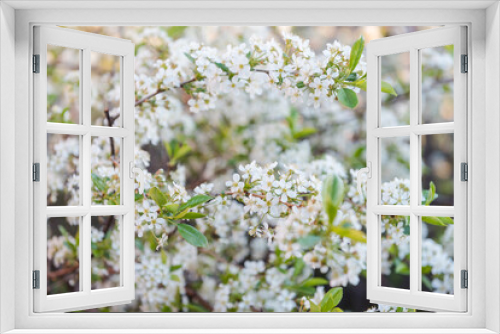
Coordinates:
<point>331,299</point>
<point>195,201</point>
<point>192,235</point>
<point>157,196</point>
<point>438,221</point>
<point>430,195</point>
<point>333,195</point>
<point>222,67</point>
<point>305,290</point>
<point>327,304</point>
<point>163,256</point>
<point>350,233</point>
<point>175,278</point>
<point>172,207</point>
<point>176,267</point>
<point>300,84</point>
<point>427,283</point>
<point>314,307</point>
<point>176,31</point>
<point>196,308</point>
<point>182,151</point>
<point>166,308</point>
<point>387,88</point>
<point>191,59</point>
<point>356,52</point>
<point>98,182</point>
<point>347,97</point>
<point>193,215</point>
<point>351,77</point>
<point>309,241</point>
<point>337,309</point>
<point>314,281</point>
<point>305,132</point>
<point>181,214</point>
<point>360,84</point>
<point>298,267</point>
<point>402,268</point>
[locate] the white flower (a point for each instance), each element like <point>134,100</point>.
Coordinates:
<point>315,99</point>
<point>204,188</point>
<point>236,186</point>
<point>194,105</point>
<point>284,189</point>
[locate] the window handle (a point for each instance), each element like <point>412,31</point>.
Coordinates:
<point>140,173</point>
<point>368,171</point>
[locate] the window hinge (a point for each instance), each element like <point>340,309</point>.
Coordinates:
<point>464,279</point>
<point>36,279</point>
<point>465,64</point>
<point>36,172</point>
<point>36,63</point>
<point>464,171</point>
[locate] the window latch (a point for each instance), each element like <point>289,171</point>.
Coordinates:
<point>140,173</point>
<point>368,171</point>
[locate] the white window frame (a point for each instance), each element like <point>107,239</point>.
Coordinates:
<point>412,44</point>
<point>85,43</point>
<point>483,21</point>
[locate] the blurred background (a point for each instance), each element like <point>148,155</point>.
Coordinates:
<point>241,129</point>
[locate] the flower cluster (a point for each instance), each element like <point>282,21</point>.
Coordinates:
<point>292,68</point>
<point>251,236</point>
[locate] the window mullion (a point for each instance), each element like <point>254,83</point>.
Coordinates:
<point>85,236</point>
<point>414,171</point>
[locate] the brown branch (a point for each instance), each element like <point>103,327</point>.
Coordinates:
<point>213,254</point>
<point>196,297</point>
<point>147,97</point>
<point>261,71</point>
<point>111,120</point>
<point>159,91</point>
<point>290,205</point>
<point>52,275</point>
<point>109,224</point>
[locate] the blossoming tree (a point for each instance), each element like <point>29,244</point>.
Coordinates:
<point>251,204</point>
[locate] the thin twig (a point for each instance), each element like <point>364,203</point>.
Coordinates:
<point>290,205</point>
<point>159,91</point>
<point>109,224</point>
<point>52,275</point>
<point>196,297</point>
<point>147,97</point>
<point>111,120</point>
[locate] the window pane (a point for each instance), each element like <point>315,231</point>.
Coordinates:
<point>63,268</point>
<point>437,84</point>
<point>105,87</point>
<point>395,170</point>
<point>63,84</point>
<point>437,169</point>
<point>395,70</point>
<point>105,156</point>
<point>106,244</point>
<point>395,254</point>
<point>63,175</point>
<point>437,254</point>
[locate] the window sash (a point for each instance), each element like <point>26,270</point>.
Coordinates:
<point>412,43</point>
<point>86,298</point>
